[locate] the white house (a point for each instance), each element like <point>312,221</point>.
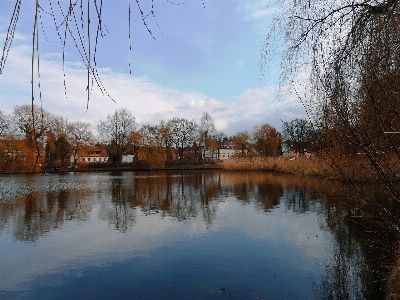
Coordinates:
<point>226,151</point>
<point>92,155</point>
<point>127,158</point>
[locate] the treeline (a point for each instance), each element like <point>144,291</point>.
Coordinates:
<point>32,138</point>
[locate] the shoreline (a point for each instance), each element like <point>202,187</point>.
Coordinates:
<point>123,168</point>
<point>301,166</point>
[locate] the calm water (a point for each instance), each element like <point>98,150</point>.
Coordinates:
<point>184,235</point>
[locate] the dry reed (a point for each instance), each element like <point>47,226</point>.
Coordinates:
<point>299,166</point>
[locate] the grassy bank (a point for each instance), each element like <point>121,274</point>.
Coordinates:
<point>300,166</point>
<point>357,169</point>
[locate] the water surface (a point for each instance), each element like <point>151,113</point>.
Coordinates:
<point>183,235</point>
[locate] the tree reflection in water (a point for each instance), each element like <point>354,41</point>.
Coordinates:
<point>355,269</point>
<point>36,214</point>
<point>118,212</point>
<point>361,251</point>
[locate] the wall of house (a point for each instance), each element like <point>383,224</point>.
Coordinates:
<point>127,159</point>
<point>90,159</point>
<point>223,153</point>
<point>227,153</point>
<point>95,159</point>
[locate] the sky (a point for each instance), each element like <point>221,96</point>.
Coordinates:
<point>198,58</point>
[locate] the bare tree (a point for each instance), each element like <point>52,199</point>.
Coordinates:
<point>352,50</point>
<point>34,130</point>
<point>183,133</point>
<point>116,129</point>
<point>150,136</point>
<point>206,130</point>
<point>4,123</point>
<point>78,134</point>
<point>298,134</point>
<point>220,137</point>
<point>33,124</point>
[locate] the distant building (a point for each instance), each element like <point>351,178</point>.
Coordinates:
<point>127,158</point>
<point>228,150</point>
<point>92,154</point>
<point>225,151</point>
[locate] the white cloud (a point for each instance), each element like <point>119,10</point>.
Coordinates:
<point>257,9</point>
<point>148,101</point>
<point>260,13</point>
<point>17,37</point>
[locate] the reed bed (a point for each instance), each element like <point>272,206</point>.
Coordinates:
<point>299,166</point>
<point>356,169</point>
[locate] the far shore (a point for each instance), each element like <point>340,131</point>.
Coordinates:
<point>302,166</point>
<point>123,168</point>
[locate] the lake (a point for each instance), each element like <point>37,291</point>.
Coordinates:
<point>186,235</point>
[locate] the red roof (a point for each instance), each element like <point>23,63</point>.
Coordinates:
<point>97,152</point>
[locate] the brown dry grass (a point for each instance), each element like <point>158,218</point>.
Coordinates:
<point>357,169</point>
<point>300,166</point>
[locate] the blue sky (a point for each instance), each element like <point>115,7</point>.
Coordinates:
<point>199,59</point>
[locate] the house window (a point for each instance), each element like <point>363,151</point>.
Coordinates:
<point>94,159</point>
<point>105,159</point>
<point>88,159</point>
